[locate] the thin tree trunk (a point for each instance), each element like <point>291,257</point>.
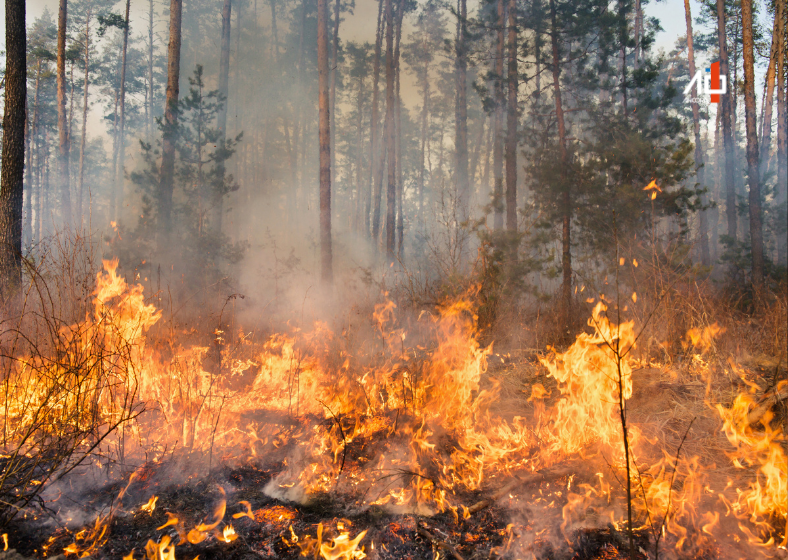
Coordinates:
<point>511,123</point>
<point>13,155</point>
<point>324,130</point>
<point>83,139</point>
<point>391,184</point>
<point>376,161</point>
<point>423,141</point>
<point>33,124</point>
<point>120,178</point>
<point>727,134</point>
<point>170,125</point>
<point>782,131</point>
<point>461,116</point>
<point>360,190</point>
<point>217,206</point>
<point>27,216</point>
<point>333,89</point>
<point>753,176</point>
<point>498,134</point>
<point>398,132</point>
<point>768,102</point>
<point>62,125</point>
<point>699,170</point>
<point>566,198</point>
<point>150,70</point>
<point>622,39</point>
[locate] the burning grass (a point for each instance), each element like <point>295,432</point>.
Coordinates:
<point>392,441</point>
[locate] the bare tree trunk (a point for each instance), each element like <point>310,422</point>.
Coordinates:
<point>83,139</point>
<point>699,171</point>
<point>398,133</point>
<point>768,102</point>
<point>120,178</point>
<point>333,89</point>
<point>170,124</point>
<point>377,161</point>
<point>391,184</point>
<point>217,205</point>
<point>566,202</point>
<point>782,132</point>
<point>62,125</point>
<point>13,155</point>
<point>511,123</point>
<point>727,134</point>
<point>753,176</point>
<point>498,134</point>
<point>150,70</point>
<point>30,144</point>
<point>425,103</point>
<point>623,35</point>
<point>461,116</point>
<point>360,187</point>
<point>324,130</point>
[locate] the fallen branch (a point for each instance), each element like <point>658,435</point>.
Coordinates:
<point>772,397</point>
<point>439,543</point>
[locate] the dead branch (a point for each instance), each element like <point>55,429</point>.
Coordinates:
<point>439,543</point>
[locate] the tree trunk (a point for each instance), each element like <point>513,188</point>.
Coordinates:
<point>150,122</point>
<point>166,181</point>
<point>753,176</point>
<point>727,133</point>
<point>62,124</point>
<point>13,155</point>
<point>324,131</point>
<point>334,68</point>
<point>398,133</point>
<point>461,113</point>
<point>566,198</point>
<point>511,123</point>
<point>768,102</point>
<point>32,126</point>
<point>120,177</point>
<point>498,140</point>
<point>377,161</point>
<point>360,189</point>
<point>699,170</point>
<point>217,204</point>
<point>782,133</point>
<point>425,103</point>
<point>83,139</point>
<point>391,184</point>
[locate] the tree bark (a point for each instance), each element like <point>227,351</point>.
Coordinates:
<point>753,175</point>
<point>120,177</point>
<point>217,205</point>
<point>566,197</point>
<point>425,103</point>
<point>461,116</point>
<point>150,70</point>
<point>498,134</point>
<point>166,181</point>
<point>377,161</point>
<point>699,170</point>
<point>727,133</point>
<point>62,124</point>
<point>768,101</point>
<point>324,132</point>
<point>782,130</point>
<point>333,91</point>
<point>13,162</point>
<point>391,184</point>
<point>398,132</point>
<point>83,139</point>
<point>511,123</point>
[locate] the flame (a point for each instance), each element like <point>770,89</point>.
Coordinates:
<point>150,506</point>
<point>340,548</point>
<point>228,534</point>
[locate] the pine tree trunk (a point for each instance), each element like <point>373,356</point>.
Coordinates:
<point>566,198</point>
<point>425,103</point>
<point>120,177</point>
<point>782,131</point>
<point>727,133</point>
<point>377,161</point>
<point>699,170</point>
<point>391,184</point>
<point>170,125</point>
<point>13,154</point>
<point>768,102</point>
<point>324,131</point>
<point>334,68</point>
<point>461,113</point>
<point>511,123</point>
<point>360,190</point>
<point>62,124</point>
<point>217,204</point>
<point>400,227</point>
<point>498,134</point>
<point>753,176</point>
<point>150,122</point>
<point>31,146</point>
<point>83,139</point>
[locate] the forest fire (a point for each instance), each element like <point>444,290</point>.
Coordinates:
<point>406,423</point>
